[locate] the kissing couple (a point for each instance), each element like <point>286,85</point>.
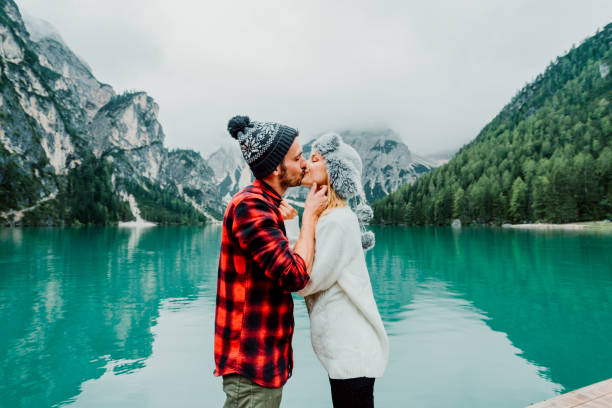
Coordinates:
<point>265,256</point>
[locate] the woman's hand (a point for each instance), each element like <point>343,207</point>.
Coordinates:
<point>287,211</point>
<point>316,202</point>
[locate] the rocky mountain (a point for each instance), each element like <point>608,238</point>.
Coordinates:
<point>230,169</point>
<point>55,115</point>
<point>73,150</point>
<point>193,178</point>
<point>388,164</point>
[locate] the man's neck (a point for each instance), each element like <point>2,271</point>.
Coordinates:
<point>275,184</point>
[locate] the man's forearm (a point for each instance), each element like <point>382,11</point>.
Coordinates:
<point>305,244</point>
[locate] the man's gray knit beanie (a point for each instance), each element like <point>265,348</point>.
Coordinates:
<point>263,144</point>
<point>344,171</point>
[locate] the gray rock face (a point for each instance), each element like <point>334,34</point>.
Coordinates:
<point>188,172</point>
<point>46,87</point>
<point>387,161</point>
<point>76,86</point>
<point>126,128</point>
<point>53,112</point>
<point>33,121</point>
<point>230,170</point>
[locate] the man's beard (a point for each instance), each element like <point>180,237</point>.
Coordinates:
<point>287,181</point>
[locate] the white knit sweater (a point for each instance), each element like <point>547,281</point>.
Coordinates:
<point>347,332</point>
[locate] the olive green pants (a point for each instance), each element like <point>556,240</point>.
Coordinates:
<point>243,393</point>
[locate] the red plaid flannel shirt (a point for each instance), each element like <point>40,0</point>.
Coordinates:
<point>257,273</point>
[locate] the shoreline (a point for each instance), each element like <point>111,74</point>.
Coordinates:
<point>572,226</point>
<point>136,224</point>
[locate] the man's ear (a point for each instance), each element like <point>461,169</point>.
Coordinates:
<point>277,171</point>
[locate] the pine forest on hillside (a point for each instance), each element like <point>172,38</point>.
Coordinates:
<point>547,157</point>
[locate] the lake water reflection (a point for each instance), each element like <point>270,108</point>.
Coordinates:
<point>477,317</point>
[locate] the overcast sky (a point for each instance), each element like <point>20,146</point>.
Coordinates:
<point>435,71</point>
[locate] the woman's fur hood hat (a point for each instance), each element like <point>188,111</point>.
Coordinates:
<point>344,169</point>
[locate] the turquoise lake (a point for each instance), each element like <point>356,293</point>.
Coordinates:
<point>481,317</point>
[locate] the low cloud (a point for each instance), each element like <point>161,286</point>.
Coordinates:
<point>435,71</point>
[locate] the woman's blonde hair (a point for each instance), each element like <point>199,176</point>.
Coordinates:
<point>333,199</point>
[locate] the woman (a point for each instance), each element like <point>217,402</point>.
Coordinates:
<point>347,332</point>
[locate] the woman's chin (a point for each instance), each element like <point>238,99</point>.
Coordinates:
<point>306,182</point>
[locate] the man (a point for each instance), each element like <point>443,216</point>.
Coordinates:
<point>258,270</point>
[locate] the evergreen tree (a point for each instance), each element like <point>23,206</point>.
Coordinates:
<point>518,201</point>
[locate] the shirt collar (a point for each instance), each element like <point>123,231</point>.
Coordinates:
<point>268,191</point>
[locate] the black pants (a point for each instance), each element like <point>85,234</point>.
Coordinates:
<point>353,393</point>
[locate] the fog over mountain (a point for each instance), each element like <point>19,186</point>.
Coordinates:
<point>436,72</point>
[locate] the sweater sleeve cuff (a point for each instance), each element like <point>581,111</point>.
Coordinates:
<point>293,230</point>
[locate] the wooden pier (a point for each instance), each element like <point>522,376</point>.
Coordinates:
<point>598,395</point>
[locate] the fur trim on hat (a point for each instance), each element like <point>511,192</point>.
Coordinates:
<point>327,143</point>
<point>343,177</point>
<point>343,165</point>
<point>344,171</point>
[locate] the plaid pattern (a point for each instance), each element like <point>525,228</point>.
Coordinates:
<point>257,272</point>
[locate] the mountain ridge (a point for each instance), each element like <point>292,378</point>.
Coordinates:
<point>547,156</point>
<point>56,117</point>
